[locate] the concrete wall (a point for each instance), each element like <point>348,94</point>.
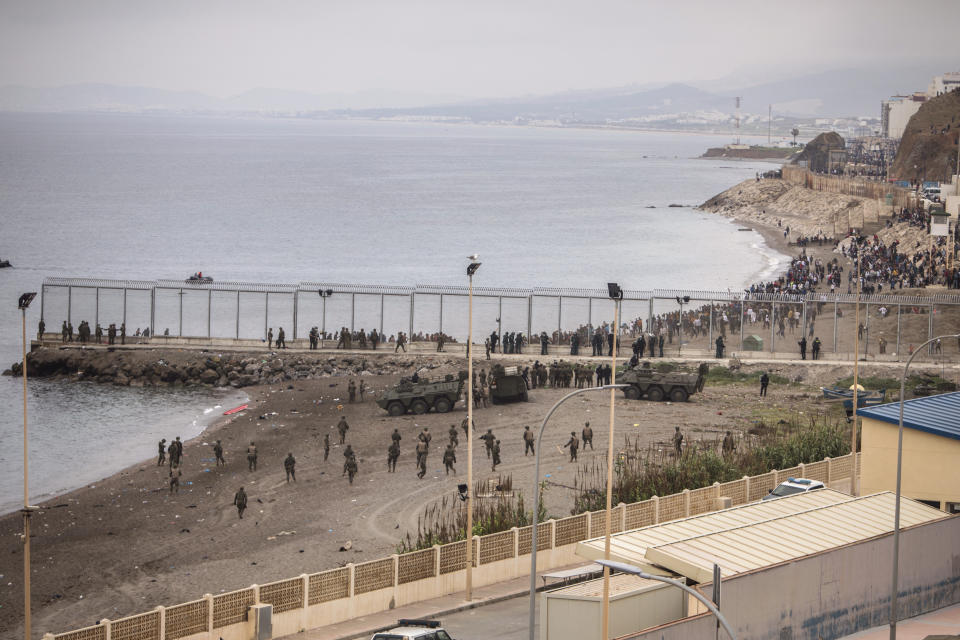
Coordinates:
<point>931,464</point>
<point>836,593</point>
<point>566,617</point>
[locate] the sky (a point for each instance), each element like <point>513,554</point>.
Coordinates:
<point>483,48</point>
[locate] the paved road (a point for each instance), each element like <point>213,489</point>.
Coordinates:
<point>505,620</point>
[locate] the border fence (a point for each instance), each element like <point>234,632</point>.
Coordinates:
<point>314,600</point>
<point>892,194</point>
<point>178,312</point>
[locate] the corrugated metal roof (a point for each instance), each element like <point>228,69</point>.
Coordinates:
<point>767,543</point>
<point>630,546</point>
<point>939,415</point>
<point>620,584</point>
<point>761,534</point>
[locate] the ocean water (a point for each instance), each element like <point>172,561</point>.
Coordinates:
<point>274,200</point>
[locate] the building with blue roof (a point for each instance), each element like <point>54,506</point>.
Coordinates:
<point>931,449</point>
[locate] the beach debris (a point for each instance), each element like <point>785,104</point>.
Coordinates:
<point>347,546</point>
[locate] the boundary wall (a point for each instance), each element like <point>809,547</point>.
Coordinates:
<point>309,601</point>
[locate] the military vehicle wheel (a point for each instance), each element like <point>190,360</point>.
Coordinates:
<point>631,393</point>
<point>442,405</point>
<point>679,394</point>
<point>655,394</point>
<point>419,407</point>
<point>525,397</point>
<point>396,408</point>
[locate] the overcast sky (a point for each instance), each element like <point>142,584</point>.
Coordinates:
<point>483,48</point>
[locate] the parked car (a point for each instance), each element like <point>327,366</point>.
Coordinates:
<point>414,630</point>
<point>792,486</point>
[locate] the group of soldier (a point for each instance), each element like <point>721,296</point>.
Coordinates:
<point>281,339</point>
<point>83,332</point>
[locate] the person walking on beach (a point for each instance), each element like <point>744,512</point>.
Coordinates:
<point>252,457</point>
<point>764,382</point>
<point>326,446</point>
<point>393,454</point>
<point>342,428</point>
<point>240,501</point>
<point>449,458</point>
<point>574,445</point>
<point>289,465</point>
<point>218,452</point>
<point>163,452</point>
<point>528,440</point>
<point>587,435</point>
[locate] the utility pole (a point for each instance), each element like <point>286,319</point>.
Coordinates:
<point>769,122</point>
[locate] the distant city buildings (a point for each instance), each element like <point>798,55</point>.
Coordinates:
<point>896,111</point>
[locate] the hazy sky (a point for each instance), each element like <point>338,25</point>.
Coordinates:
<point>479,48</point>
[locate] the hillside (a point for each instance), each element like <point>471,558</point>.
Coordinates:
<point>928,149</point>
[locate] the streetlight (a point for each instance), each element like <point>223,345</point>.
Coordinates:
<point>616,294</point>
<point>324,294</point>
<point>896,510</point>
<point>681,301</point>
<point>27,510</point>
<point>471,269</point>
<point>637,571</point>
<point>536,498</point>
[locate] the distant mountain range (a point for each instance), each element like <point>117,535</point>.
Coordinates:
<point>835,93</point>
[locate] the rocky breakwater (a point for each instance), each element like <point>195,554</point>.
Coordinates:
<point>182,368</point>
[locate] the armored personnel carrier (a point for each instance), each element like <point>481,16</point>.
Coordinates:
<point>676,386</point>
<point>419,395</point>
<point>507,385</point>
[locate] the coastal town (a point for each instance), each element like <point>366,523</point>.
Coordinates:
<point>779,458</point>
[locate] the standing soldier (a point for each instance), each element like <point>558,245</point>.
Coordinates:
<point>464,425</point>
<point>816,348</point>
<point>175,479</point>
<point>528,440</point>
<point>454,438</point>
<point>421,461</point>
<point>496,455</point>
<point>326,446</point>
<point>396,437</point>
<point>269,338</point>
<point>677,441</point>
<point>63,332</point>
<point>342,428</point>
<point>289,464</point>
<point>351,468</point>
<point>361,387</point>
<point>123,333</point>
<point>449,457</point>
<point>720,346</point>
<point>803,347</point>
<point>574,444</point>
<point>728,444</point>
<point>173,454</point>
<point>240,500</point>
<point>281,339</point>
<point>352,390</point>
<point>163,452</point>
<point>544,341</point>
<point>99,333</point>
<point>488,440</point>
<point>425,436</point>
<point>347,455</point>
<point>252,457</point>
<point>393,454</point>
<point>587,436</point>
<point>421,451</point>
<point>218,452</point>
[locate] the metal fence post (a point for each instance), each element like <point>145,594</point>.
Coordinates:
<point>266,313</point>
<point>441,313</point>
<point>96,307</point>
<point>930,331</point>
<point>238,314</point>
<point>899,307</point>
<point>43,299</point>
<point>69,303</point>
<point>710,330</point>
<point>124,305</point>
<point>296,299</point>
<point>413,297</point>
<point>209,311</point>
<point>590,312</point>
<point>529,318</point>
<point>835,320</point>
<point>180,322</point>
<point>559,319</point>
<point>381,314</point>
<point>153,311</point>
<point>353,310</point>
<point>743,307</point>
<point>773,327</point>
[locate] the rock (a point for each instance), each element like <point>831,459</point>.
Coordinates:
<point>209,376</point>
<point>347,546</point>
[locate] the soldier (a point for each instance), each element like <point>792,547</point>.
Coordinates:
<point>422,467</point>
<point>587,435</point>
<point>123,333</point>
<point>720,346</point>
<point>347,455</point>
<point>240,500</point>
<point>374,339</point>
<point>574,444</point>
<point>342,428</point>
<point>361,388</point>
<point>483,377</point>
<point>449,457</point>
<point>270,338</point>
<point>326,446</point>
<point>218,452</point>
<point>99,333</point>
<point>252,457</point>
<point>401,342</point>
<point>175,479</point>
<point>528,440</point>
<point>440,340</point>
<point>289,464</point>
<point>179,449</point>
<point>281,339</point>
<point>677,442</point>
<point>494,338</point>
<point>728,444</point>
<point>393,454</point>
<point>496,455</point>
<point>454,439</point>
<point>111,333</point>
<point>173,455</point>
<point>639,346</point>
<point>421,452</point>
<point>41,329</point>
<point>425,436</point>
<point>486,346</point>
<point>163,452</point>
<point>544,341</point>
<point>488,440</point>
<point>764,382</point>
<point>351,467</point>
<point>396,437</point>
<point>352,391</point>
<point>660,343</point>
<point>803,348</point>
<point>816,348</point>
<point>464,425</point>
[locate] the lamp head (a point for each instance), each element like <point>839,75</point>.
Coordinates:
<point>614,291</point>
<point>26,299</point>
<point>472,268</point>
<point>325,293</point>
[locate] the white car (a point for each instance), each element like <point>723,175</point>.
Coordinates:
<point>414,630</point>
<point>792,486</point>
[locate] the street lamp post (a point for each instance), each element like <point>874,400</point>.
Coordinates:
<point>27,510</point>
<point>471,269</point>
<point>616,294</point>
<point>681,301</point>
<point>896,510</point>
<point>324,294</point>
<point>536,497</point>
<point>637,571</point>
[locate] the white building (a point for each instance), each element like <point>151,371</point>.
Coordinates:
<point>944,84</point>
<point>895,113</point>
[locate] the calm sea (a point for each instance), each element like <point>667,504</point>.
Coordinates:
<point>117,196</point>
